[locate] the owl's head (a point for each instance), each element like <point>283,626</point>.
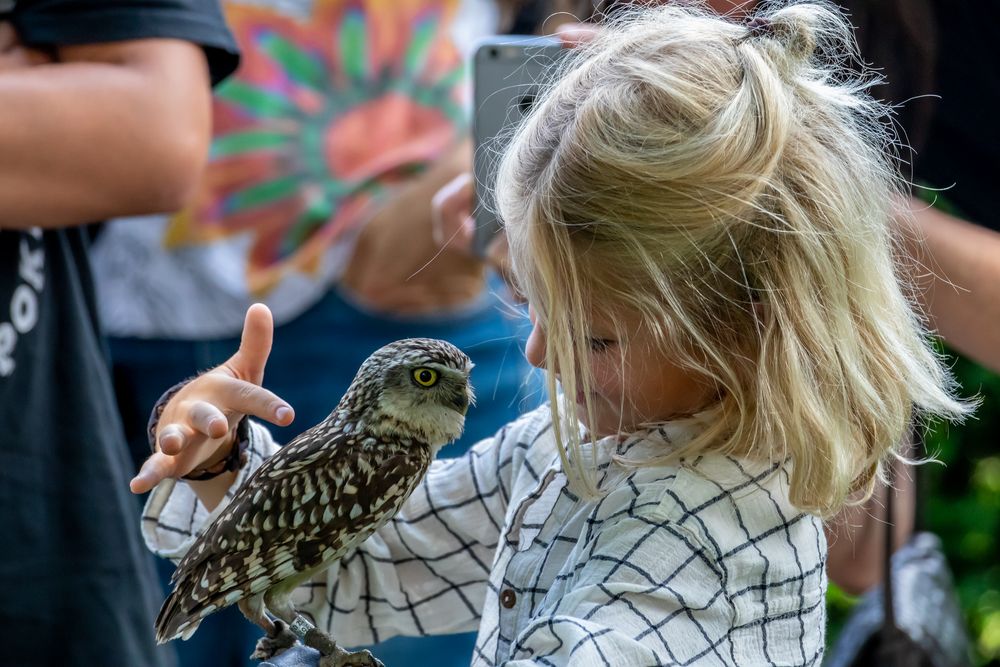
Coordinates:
<point>417,388</point>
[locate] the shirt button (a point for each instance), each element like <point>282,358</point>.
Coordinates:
<point>508,598</point>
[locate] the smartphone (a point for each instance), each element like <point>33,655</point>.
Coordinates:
<point>508,73</point>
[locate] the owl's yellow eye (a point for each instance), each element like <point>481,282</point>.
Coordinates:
<point>425,377</point>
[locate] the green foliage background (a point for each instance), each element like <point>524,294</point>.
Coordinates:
<point>961,501</point>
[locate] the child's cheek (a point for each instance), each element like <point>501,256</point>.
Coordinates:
<point>608,381</point>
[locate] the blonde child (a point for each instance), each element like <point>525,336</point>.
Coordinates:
<point>698,215</point>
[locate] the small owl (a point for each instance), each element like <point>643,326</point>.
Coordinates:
<point>323,494</point>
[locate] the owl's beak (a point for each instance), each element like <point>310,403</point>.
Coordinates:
<point>460,401</point>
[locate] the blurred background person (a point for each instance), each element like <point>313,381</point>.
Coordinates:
<point>104,111</point>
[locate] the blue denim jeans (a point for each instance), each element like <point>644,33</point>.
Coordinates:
<point>312,362</point>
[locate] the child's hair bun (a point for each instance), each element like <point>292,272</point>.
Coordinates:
<point>796,27</point>
<point>799,30</point>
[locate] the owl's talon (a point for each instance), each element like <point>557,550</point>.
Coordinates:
<point>269,646</point>
<point>320,641</point>
<point>342,658</point>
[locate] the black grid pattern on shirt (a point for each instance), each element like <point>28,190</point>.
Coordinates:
<point>574,638</point>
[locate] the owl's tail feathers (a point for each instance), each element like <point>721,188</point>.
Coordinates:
<point>189,604</point>
<point>174,621</point>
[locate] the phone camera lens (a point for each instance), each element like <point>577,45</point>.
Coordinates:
<point>494,52</point>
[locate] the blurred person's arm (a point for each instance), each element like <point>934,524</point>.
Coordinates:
<point>108,130</point>
<point>957,264</point>
<point>856,536</point>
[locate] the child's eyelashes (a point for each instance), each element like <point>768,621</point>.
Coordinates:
<point>600,344</point>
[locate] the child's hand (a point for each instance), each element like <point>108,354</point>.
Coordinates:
<point>197,427</point>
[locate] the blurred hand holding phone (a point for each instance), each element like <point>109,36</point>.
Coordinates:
<point>508,72</point>
<point>464,210</point>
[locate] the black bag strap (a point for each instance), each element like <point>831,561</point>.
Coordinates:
<point>889,628</point>
<point>891,636</point>
<point>919,480</point>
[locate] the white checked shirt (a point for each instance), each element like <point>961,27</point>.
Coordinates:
<point>705,563</point>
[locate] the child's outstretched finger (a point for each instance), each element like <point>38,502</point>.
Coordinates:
<point>207,419</point>
<point>255,345</point>
<point>250,399</point>
<point>156,468</point>
<point>173,438</point>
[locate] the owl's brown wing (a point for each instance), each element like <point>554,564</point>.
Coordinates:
<point>254,499</point>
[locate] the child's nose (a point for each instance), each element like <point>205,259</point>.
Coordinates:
<point>534,349</point>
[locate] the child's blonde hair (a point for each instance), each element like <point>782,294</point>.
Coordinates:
<point>734,185</point>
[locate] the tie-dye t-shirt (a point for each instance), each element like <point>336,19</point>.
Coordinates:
<point>337,103</point>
